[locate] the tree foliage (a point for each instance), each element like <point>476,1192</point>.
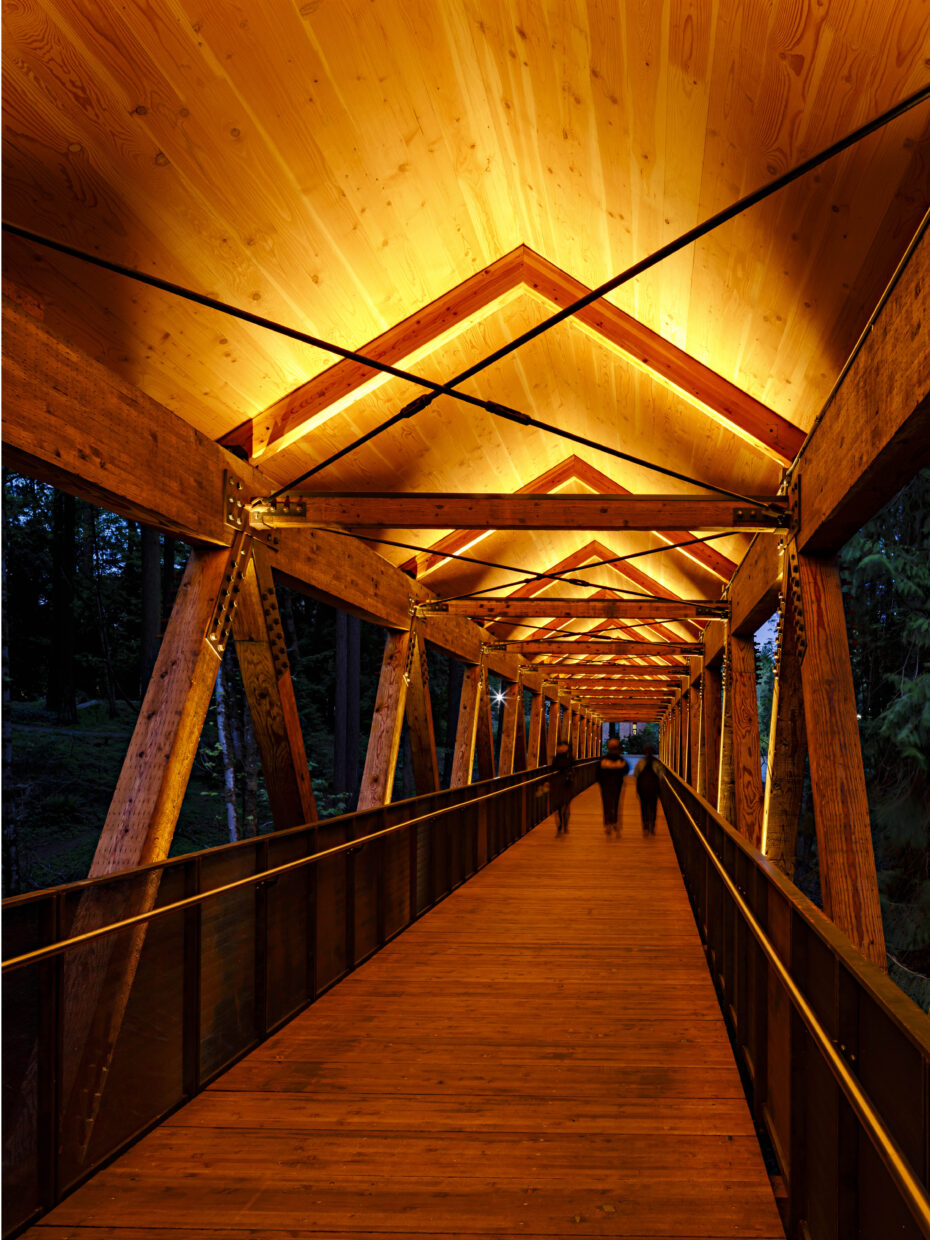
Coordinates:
<point>886,584</point>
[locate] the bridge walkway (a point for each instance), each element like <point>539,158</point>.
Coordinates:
<point>541,1055</point>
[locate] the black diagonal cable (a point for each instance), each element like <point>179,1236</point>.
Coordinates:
<point>408,411</point>
<point>699,231</point>
<point>617,559</point>
<point>644,264</point>
<point>506,568</point>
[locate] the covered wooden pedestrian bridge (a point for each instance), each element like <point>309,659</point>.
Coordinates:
<point>572,343</point>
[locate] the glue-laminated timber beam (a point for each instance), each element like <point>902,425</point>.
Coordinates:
<point>140,824</point>
<point>536,738</point>
<point>875,435</point>
<point>573,668</point>
<point>580,646</point>
<point>466,733</point>
<point>484,741</point>
<point>419,715</point>
<point>70,421</point>
<point>646,688</point>
<point>505,608</point>
<point>787,752</point>
<point>552,732</point>
<point>570,469</point>
<point>753,592</point>
<point>747,763</point>
<point>442,510</point>
<point>266,678</point>
<point>841,808</point>
<point>513,706</point>
<point>386,724</point>
<point>294,414</point>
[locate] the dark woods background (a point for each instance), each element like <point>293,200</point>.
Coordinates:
<point>85,599</point>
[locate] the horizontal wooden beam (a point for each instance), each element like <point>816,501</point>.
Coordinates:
<point>641,688</point>
<point>506,608</point>
<point>584,668</point>
<point>556,646</point>
<point>875,435</point>
<point>572,468</point>
<point>753,592</point>
<point>70,421</point>
<point>715,636</point>
<point>450,510</point>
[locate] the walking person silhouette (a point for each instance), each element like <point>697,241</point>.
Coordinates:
<point>611,771</point>
<point>562,782</point>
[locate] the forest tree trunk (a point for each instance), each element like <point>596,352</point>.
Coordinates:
<point>151,606</point>
<point>340,712</point>
<point>60,696</point>
<point>102,620</point>
<point>353,707</point>
<point>168,583</point>
<point>227,749</point>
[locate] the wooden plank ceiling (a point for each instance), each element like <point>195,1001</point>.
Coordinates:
<point>437,178</point>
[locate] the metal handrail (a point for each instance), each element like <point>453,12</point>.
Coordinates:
<point>53,949</point>
<point>888,1150</point>
<point>168,863</point>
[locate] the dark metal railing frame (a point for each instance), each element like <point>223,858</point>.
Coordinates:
<point>880,989</point>
<point>49,907</point>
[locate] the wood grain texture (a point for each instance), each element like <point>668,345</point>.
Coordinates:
<point>571,470</point>
<point>784,780</point>
<point>726,790</point>
<point>439,510</point>
<point>463,759</point>
<point>484,739</point>
<point>535,741</point>
<point>685,707</point>
<point>753,592</point>
<point>876,434</point>
<point>504,1067</point>
<point>70,421</point>
<point>694,706</point>
<point>841,808</point>
<point>348,185</point>
<point>141,819</point>
<point>269,690</point>
<point>386,724</point>
<point>569,669</point>
<point>622,649</point>
<point>513,707</point>
<point>505,608</point>
<point>552,732</point>
<point>419,713</point>
<point>710,730</point>
<point>747,763</point>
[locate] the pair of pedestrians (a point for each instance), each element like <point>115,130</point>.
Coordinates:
<point>611,772</point>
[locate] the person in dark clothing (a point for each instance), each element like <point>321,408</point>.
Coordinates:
<point>647,789</point>
<point>611,772</point>
<point>562,782</point>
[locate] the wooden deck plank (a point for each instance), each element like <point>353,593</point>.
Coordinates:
<point>541,1055</point>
